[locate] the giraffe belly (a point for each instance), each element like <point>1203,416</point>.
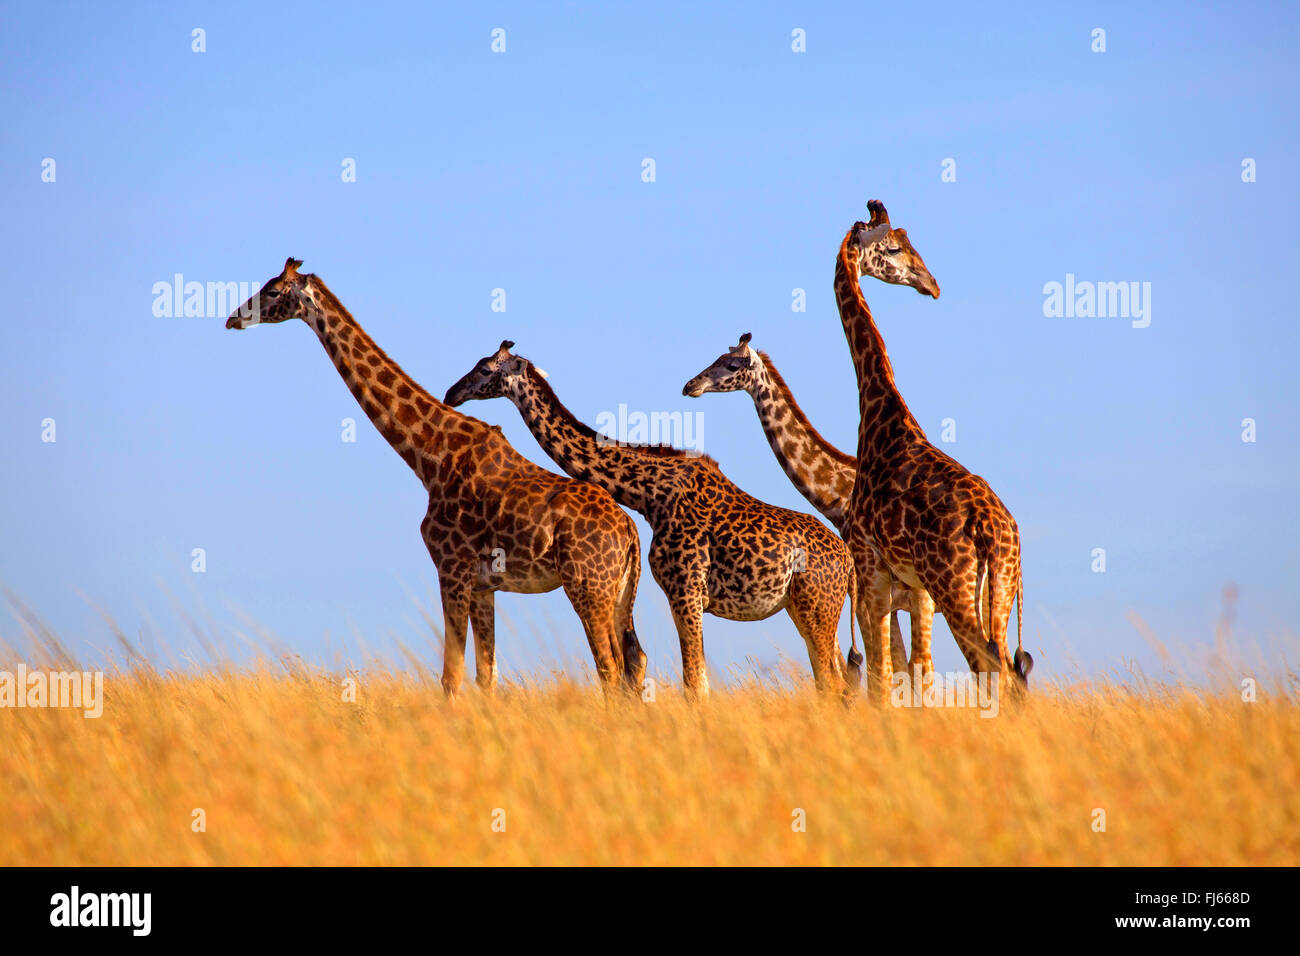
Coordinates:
<point>738,596</point>
<point>519,577</point>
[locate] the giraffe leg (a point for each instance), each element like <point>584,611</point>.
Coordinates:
<point>482,612</point>
<point>455,622</point>
<point>875,584</point>
<point>598,623</point>
<point>981,654</point>
<point>595,600</point>
<point>978,620</point>
<point>897,651</point>
<point>921,666</point>
<point>688,616</point>
<point>865,615</point>
<point>818,626</point>
<point>874,607</point>
<point>997,616</point>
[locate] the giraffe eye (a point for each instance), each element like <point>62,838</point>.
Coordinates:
<point>485,370</point>
<point>735,366</point>
<point>893,252</point>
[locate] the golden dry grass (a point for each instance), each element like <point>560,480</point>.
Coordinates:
<point>289,773</point>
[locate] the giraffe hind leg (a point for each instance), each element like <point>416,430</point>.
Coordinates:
<point>818,627</point>
<point>897,652</point>
<point>595,609</point>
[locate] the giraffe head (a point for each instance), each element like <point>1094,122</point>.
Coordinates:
<point>492,376</point>
<point>736,370</point>
<point>885,253</point>
<point>287,296</point>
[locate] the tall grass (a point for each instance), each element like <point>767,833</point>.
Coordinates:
<point>285,771</point>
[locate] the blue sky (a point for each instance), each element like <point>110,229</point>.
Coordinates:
<point>522,170</point>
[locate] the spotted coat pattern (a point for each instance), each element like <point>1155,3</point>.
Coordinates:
<point>716,549</point>
<point>941,529</point>
<point>495,521</point>
<point>821,472</point>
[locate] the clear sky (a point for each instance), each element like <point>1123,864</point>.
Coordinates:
<point>523,171</point>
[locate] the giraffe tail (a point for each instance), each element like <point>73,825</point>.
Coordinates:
<point>987,586</point>
<point>1024,661</point>
<point>986,589</point>
<point>853,673</point>
<point>634,658</point>
<point>981,587</point>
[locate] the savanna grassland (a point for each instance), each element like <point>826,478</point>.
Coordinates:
<point>288,772</point>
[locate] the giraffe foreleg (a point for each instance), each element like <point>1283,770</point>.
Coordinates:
<point>455,623</point>
<point>688,616</point>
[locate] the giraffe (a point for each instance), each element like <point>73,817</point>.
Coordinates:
<point>821,472</point>
<point>495,521</point>
<point>942,530</point>
<point>715,548</point>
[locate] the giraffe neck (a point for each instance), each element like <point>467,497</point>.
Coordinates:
<point>822,473</point>
<point>885,422</point>
<point>421,429</point>
<point>630,474</point>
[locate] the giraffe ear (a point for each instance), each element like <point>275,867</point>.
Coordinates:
<point>506,346</point>
<point>869,235</point>
<point>517,365</point>
<point>744,339</point>
<point>291,267</point>
<point>878,213</point>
